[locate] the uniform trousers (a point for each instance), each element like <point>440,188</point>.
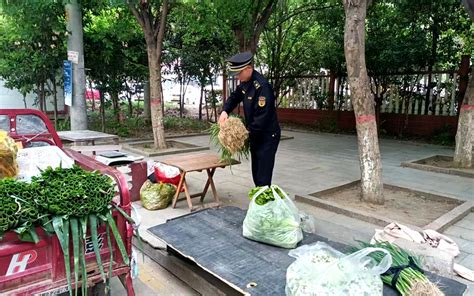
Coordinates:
<point>263,147</point>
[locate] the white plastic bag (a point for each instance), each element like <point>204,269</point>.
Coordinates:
<point>276,223</point>
<point>165,170</point>
<point>308,224</point>
<point>321,270</point>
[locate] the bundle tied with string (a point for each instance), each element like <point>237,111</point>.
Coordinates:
<point>405,274</point>
<point>231,137</point>
<point>8,151</point>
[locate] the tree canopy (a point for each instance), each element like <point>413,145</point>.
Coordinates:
<point>32,44</point>
<point>290,38</point>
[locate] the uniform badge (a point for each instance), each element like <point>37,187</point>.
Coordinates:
<point>261,101</point>
<point>249,98</point>
<point>256,84</point>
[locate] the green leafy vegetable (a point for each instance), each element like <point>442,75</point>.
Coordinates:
<point>265,196</point>
<point>270,221</point>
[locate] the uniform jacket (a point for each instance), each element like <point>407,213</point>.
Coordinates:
<point>259,104</point>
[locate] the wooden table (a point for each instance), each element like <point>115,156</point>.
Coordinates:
<point>197,163</point>
<point>86,136</point>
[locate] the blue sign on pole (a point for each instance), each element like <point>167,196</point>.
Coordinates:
<point>68,83</point>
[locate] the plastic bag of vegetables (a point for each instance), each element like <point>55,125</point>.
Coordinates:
<point>272,218</point>
<point>8,151</point>
<point>321,270</point>
<point>155,196</point>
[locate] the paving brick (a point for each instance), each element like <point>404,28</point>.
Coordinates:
<point>461,232</point>
<point>465,223</point>
<point>312,162</point>
<point>468,262</point>
<point>464,245</point>
<point>469,217</point>
<point>461,257</point>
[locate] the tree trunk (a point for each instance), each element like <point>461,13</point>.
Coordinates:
<point>465,132</point>
<point>43,98</point>
<point>434,44</point>
<point>130,106</point>
<point>115,104</point>
<point>362,101</point>
<point>332,79</point>
<point>154,29</point>
<point>146,102</point>
<point>75,43</point>
<point>207,108</point>
<point>55,102</point>
<point>93,95</point>
<point>213,94</point>
<point>200,103</point>
<point>259,19</point>
<point>163,104</point>
<point>102,110</point>
<point>181,96</point>
<point>155,97</point>
<point>463,72</point>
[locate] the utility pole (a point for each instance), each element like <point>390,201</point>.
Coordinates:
<point>75,44</point>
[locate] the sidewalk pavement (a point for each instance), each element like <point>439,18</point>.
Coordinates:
<point>312,162</point>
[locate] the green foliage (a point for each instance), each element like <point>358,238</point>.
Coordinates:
<point>409,35</point>
<point>302,37</point>
<point>178,123</point>
<point>444,136</point>
<point>197,43</point>
<point>246,19</point>
<point>32,43</point>
<point>140,127</point>
<point>114,49</point>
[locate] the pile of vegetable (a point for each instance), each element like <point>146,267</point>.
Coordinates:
<point>73,191</point>
<point>266,195</point>
<point>18,210</point>
<point>156,196</point>
<point>272,218</point>
<point>231,138</point>
<point>67,202</point>
<point>405,275</point>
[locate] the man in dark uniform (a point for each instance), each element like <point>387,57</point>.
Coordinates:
<point>260,115</point>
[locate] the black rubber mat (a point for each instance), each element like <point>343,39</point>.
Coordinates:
<point>213,239</point>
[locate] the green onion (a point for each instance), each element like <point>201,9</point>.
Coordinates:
<point>411,280</point>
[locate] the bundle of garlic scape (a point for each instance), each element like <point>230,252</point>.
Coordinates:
<point>231,138</point>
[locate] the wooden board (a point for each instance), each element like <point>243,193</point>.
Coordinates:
<point>213,240</point>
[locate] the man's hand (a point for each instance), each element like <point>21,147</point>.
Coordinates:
<point>223,118</point>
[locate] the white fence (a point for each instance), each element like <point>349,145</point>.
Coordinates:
<point>401,94</point>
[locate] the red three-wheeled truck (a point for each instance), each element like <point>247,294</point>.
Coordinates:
<point>38,269</point>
